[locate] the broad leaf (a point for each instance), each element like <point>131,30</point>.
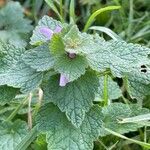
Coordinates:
<point>47,22</point>
<point>13,24</point>
<point>114,91</point>
<point>39,58</point>
<point>56,45</point>
<point>75,98</point>
<point>119,56</point>
<point>61,134</point>
<point>79,43</point>
<point>138,82</point>
<point>71,68</point>
<point>11,134</point>
<point>114,113</point>
<point>21,76</point>
<point>7,94</point>
<point>14,72</point>
<point>10,56</point>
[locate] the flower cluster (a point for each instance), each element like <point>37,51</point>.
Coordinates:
<point>48,33</point>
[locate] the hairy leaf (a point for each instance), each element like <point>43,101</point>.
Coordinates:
<point>11,134</point>
<point>11,55</point>
<point>39,58</point>
<point>13,24</point>
<point>7,94</point>
<point>75,98</point>
<point>119,56</point>
<point>14,72</point>
<point>61,134</point>
<point>47,22</point>
<point>21,76</point>
<point>138,82</point>
<point>116,112</point>
<point>71,68</point>
<point>114,91</point>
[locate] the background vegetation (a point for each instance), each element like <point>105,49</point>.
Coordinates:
<point>131,23</point>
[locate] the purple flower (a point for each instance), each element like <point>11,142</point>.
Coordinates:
<point>48,33</point>
<point>72,55</point>
<point>63,80</point>
<point>57,29</point>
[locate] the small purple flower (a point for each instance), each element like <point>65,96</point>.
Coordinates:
<point>72,55</point>
<point>63,80</point>
<point>48,33</point>
<point>57,29</point>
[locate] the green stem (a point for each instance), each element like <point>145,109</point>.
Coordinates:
<point>39,103</point>
<point>34,12</point>
<point>105,90</point>
<point>145,137</point>
<point>13,114</point>
<point>61,8</point>
<point>130,22</point>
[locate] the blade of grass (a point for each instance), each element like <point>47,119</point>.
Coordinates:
<point>109,32</point>
<point>13,114</point>
<point>23,145</point>
<point>143,144</point>
<point>96,13</point>
<point>54,8</point>
<point>72,11</point>
<point>138,118</point>
<point>130,21</point>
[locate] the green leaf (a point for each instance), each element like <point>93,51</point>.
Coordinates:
<point>71,68</point>
<point>14,72</point>
<point>61,134</point>
<point>138,82</point>
<point>77,42</point>
<point>40,143</point>
<point>11,134</point>
<point>119,56</point>
<point>114,92</point>
<point>75,98</point>
<point>27,140</point>
<point>11,27</point>
<point>46,21</point>
<point>116,112</point>
<point>39,58</point>
<point>21,76</point>
<point>10,57</point>
<point>7,94</point>
<point>56,45</point>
